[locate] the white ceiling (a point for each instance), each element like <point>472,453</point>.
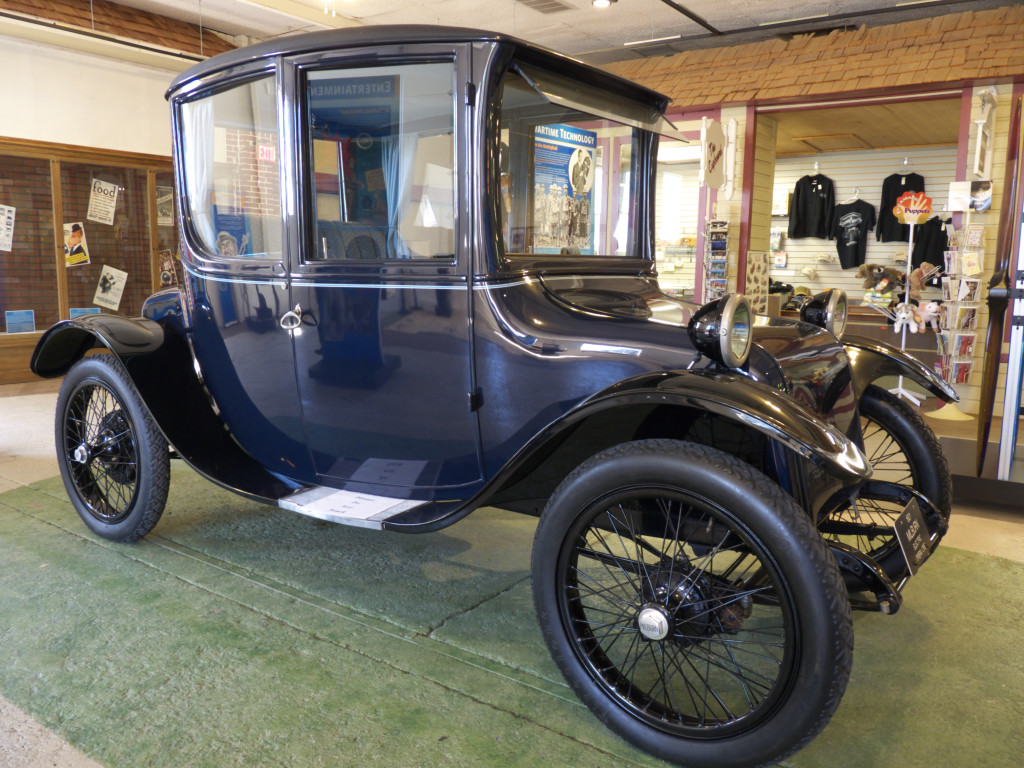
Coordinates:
<point>573,27</point>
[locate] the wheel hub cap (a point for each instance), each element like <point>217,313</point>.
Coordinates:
<point>81,454</point>
<point>653,623</point>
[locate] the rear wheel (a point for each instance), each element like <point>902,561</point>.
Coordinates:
<point>113,459</point>
<point>691,604</point>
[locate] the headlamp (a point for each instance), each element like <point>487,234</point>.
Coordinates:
<point>723,331</point>
<point>827,310</point>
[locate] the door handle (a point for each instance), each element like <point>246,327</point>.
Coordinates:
<point>292,319</point>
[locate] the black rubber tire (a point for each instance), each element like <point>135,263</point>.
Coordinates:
<point>928,469</point>
<point>720,510</point>
<point>113,458</point>
<point>902,449</point>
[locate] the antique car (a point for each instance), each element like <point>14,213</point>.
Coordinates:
<point>418,279</point>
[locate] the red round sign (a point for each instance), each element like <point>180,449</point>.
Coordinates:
<point>913,207</point>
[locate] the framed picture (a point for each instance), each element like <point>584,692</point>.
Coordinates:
<point>20,320</point>
<point>983,151</point>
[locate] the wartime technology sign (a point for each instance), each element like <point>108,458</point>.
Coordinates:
<point>564,164</point>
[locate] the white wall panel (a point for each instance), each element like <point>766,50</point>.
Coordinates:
<point>63,96</point>
<point>860,173</point>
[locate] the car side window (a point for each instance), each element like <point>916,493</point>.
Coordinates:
<point>382,161</point>
<point>232,170</point>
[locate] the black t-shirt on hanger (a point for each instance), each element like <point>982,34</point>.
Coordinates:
<point>930,243</point>
<point>810,211</point>
<point>889,228</point>
<point>853,222</point>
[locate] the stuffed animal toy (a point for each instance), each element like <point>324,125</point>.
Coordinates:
<point>919,277</point>
<point>879,278</point>
<point>929,314</point>
<point>903,316</point>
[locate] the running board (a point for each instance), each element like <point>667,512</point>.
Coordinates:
<point>363,510</point>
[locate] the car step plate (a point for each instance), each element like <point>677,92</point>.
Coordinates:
<point>347,507</point>
<point>912,534</point>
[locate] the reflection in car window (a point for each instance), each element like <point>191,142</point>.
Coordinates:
<point>232,170</point>
<point>382,155</point>
<point>566,181</point>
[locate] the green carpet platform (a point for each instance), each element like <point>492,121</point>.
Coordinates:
<point>239,634</point>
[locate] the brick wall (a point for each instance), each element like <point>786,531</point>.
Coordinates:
<point>28,272</point>
<point>955,48</point>
<point>123,245</point>
<point>112,19</point>
<point>256,179</point>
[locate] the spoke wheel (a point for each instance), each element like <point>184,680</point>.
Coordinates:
<point>664,597</point>
<point>688,629</point>
<point>903,450</point>
<point>102,453</point>
<point>113,459</point>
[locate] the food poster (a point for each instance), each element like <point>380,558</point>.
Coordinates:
<point>110,288</point>
<point>563,194</point>
<point>76,249</point>
<point>361,114</point>
<point>102,201</point>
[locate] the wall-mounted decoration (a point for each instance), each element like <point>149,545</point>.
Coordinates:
<point>76,249</point>
<point>102,201</point>
<point>110,287</point>
<point>20,321</point>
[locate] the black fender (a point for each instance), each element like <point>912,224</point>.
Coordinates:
<point>530,476</point>
<point>159,360</point>
<point>871,359</point>
<point>733,396</point>
<point>752,403</point>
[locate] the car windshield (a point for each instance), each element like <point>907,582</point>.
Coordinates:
<point>568,160</point>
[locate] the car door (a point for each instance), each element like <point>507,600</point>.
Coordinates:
<point>229,148</point>
<point>381,298</point>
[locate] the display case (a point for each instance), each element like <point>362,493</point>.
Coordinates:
<point>77,225</point>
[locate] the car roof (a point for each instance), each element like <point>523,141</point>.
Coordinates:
<point>355,37</point>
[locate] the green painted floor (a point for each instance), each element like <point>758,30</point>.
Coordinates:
<point>237,634</point>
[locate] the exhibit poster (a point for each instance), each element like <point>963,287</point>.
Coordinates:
<point>110,287</point>
<point>20,320</point>
<point>102,201</point>
<point>76,249</point>
<point>564,170</point>
<point>164,206</point>
<point>231,221</point>
<point>6,227</point>
<point>362,115</point>
<point>80,311</point>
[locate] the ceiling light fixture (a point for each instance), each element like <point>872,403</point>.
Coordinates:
<point>654,40</point>
<point>793,21</point>
<point>603,3</point>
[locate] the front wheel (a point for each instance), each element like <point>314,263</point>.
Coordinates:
<point>691,604</point>
<point>902,449</point>
<point>113,458</point>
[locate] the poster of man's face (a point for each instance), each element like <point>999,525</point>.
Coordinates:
<point>581,171</point>
<point>76,251</point>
